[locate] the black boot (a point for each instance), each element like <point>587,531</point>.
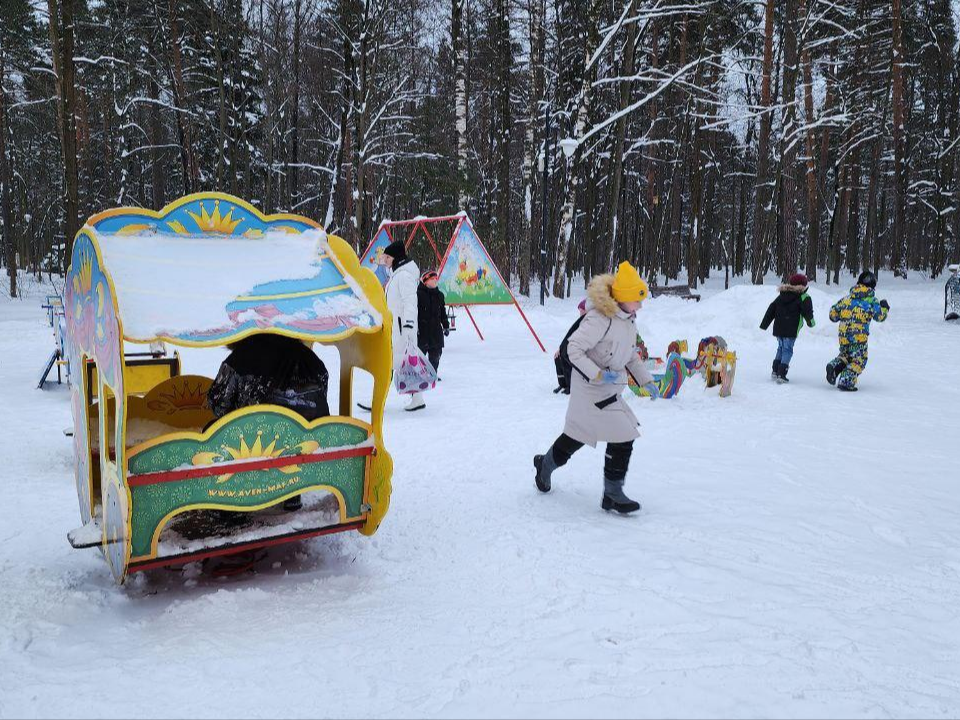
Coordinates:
<point>545,465</point>
<point>834,369</point>
<point>782,376</point>
<point>775,373</point>
<point>614,499</point>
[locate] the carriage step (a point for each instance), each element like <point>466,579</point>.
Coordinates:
<point>86,536</point>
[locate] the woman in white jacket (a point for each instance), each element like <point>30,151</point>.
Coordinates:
<point>401,293</point>
<point>603,352</point>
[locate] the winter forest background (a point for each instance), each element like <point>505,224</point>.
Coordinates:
<point>717,136</point>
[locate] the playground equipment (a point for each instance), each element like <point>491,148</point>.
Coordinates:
<point>714,362</point>
<point>54,307</point>
<point>951,294</point>
<point>150,462</point>
<point>468,275</point>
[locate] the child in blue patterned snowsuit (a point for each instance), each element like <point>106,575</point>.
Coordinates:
<point>854,313</point>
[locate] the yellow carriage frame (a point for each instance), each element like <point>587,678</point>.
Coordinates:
<point>95,336</point>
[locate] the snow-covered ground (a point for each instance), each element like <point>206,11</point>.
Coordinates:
<point>798,553</point>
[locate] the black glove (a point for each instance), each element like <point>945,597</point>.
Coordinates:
<point>446,332</point>
<point>884,304</point>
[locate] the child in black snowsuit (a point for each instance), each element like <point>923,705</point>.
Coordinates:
<point>788,312</point>
<point>432,323</point>
<point>267,369</point>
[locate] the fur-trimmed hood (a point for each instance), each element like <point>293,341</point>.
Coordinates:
<point>798,289</point>
<point>600,294</point>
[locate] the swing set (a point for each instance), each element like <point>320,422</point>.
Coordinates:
<point>467,274</point>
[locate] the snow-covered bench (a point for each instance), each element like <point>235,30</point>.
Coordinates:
<point>680,291</point>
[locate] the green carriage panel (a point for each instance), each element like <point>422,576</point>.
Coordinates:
<point>247,437</point>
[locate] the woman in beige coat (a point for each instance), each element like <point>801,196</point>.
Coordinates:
<point>603,352</point>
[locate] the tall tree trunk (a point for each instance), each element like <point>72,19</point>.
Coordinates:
<point>870,249</point>
<point>62,43</point>
<point>293,172</point>
<point>946,167</point>
<point>531,140</point>
<point>899,145</point>
<point>222,144</point>
<point>189,168</point>
<point>459,49</point>
<point>360,130</point>
<point>6,209</point>
<point>789,262</point>
<point>505,59</point>
<point>120,85</point>
<point>838,221</point>
<point>678,176</point>
<point>761,248</point>
<point>652,178</point>
<point>615,175</point>
<point>580,113</point>
<point>851,227</point>
<point>157,171</point>
<point>813,195</point>
<point>335,179</point>
<point>695,160</point>
<point>712,229</point>
<point>740,244</point>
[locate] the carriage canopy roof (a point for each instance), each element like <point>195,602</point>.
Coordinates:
<point>210,270</point>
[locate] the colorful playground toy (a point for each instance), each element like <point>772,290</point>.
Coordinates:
<point>714,362</point>
<point>57,359</point>
<point>150,462</point>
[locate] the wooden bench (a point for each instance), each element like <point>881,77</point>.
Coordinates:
<point>680,291</point>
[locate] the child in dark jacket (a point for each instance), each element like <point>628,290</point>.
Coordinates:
<point>432,323</point>
<point>788,312</point>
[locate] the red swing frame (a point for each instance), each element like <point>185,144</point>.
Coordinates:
<point>423,223</point>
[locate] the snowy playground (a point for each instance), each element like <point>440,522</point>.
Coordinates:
<point>796,556</point>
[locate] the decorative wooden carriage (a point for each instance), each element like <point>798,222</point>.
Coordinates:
<point>204,272</point>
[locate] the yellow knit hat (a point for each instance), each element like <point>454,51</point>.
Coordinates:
<point>628,286</point>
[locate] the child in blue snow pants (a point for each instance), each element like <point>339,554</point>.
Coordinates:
<point>785,350</point>
<point>788,313</point>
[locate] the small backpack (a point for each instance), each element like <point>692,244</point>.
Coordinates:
<point>565,343</point>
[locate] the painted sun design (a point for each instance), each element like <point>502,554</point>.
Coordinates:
<point>133,228</point>
<point>215,223</point>
<point>258,450</point>
<point>83,279</point>
<point>182,396</point>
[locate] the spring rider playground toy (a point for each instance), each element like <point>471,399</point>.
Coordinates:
<point>714,362</point>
